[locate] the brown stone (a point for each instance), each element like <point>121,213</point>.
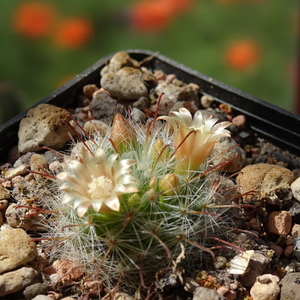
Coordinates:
<point>296,231</point>
<point>264,181</point>
<point>279,222</point>
<point>16,249</point>
<point>44,126</point>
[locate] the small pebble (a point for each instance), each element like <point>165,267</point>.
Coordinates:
<point>296,173</point>
<point>296,231</point>
<point>240,122</point>
<point>278,250</point>
<point>21,170</point>
<point>42,297</point>
<point>225,150</point>
<point>4,193</point>
<point>125,84</point>
<point>3,205</point>
<point>223,290</point>
<point>190,284</point>
<point>103,106</point>
<point>289,240</point>
<point>288,250</point>
<point>6,183</point>
<point>142,103</point>
<point>242,237</point>
<point>296,247</point>
<point>16,280</point>
<point>170,78</point>
<point>266,287</point>
<point>206,101</point>
<point>137,115</point>
<point>295,186</point>
<point>195,87</point>
<point>219,262</point>
<point>202,293</point>
<point>159,75</point>
<point>254,224</point>
<point>55,167</point>
<point>16,180</point>
<point>279,222</point>
<point>89,90</point>
<point>98,126</point>
<point>290,285</point>
<point>35,289</point>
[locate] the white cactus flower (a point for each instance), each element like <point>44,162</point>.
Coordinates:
<point>194,138</point>
<point>97,181</point>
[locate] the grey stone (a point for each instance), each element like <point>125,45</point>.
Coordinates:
<point>96,126</point>
<point>103,106</point>
<point>178,93</point>
<point>290,286</point>
<point>35,289</point>
<point>17,218</point>
<point>202,293</point>
<point>14,281</point>
<point>120,60</point>
<point>137,116</point>
<point>295,187</point>
<point>42,297</point>
<point>225,150</point>
<point>126,84</point>
<point>142,103</point>
<point>296,244</point>
<point>257,264</point>
<point>23,160</point>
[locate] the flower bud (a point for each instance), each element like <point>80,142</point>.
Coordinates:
<point>158,150</point>
<point>134,200</point>
<point>169,185</point>
<point>123,134</point>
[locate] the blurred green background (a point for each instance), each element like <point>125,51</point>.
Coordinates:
<point>248,44</point>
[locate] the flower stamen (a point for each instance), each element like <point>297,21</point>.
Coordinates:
<point>100,186</point>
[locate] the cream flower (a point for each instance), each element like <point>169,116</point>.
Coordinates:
<point>194,138</point>
<point>97,181</point>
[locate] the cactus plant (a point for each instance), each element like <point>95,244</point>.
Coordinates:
<point>128,202</point>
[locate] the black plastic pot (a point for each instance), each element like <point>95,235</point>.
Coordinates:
<point>279,126</point>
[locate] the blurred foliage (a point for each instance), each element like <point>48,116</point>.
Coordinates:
<point>204,37</point>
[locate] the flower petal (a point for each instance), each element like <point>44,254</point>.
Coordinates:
<point>113,203</point>
<point>82,209</point>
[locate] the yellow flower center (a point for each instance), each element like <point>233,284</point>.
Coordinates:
<point>100,187</point>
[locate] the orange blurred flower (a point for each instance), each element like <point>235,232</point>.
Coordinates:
<point>179,6</point>
<point>227,1</point>
<point>73,33</point>
<point>242,55</point>
<point>236,1</point>
<point>156,15</point>
<point>33,19</point>
<point>150,16</point>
